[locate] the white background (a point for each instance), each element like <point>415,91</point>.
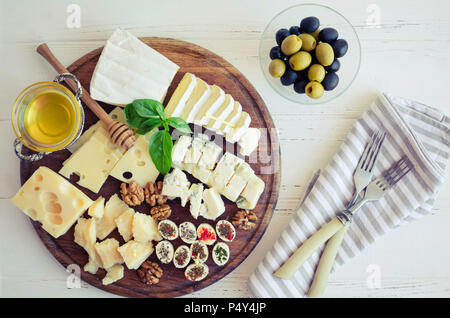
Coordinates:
<point>407,55</point>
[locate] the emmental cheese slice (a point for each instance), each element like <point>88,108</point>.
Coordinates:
<point>135,253</point>
<point>196,100</point>
<point>52,200</point>
<point>93,161</point>
<point>113,209</point>
<point>136,164</point>
<point>215,99</point>
<point>181,95</point>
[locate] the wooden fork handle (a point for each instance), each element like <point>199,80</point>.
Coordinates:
<point>47,54</point>
<point>304,252</point>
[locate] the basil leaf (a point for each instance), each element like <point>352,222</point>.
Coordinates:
<point>160,110</point>
<point>179,124</point>
<point>149,125</point>
<point>133,119</point>
<point>160,148</point>
<point>147,108</point>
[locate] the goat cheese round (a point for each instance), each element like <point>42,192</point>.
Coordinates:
<point>199,252</point>
<point>196,272</point>
<point>221,253</point>
<point>168,229</point>
<point>225,230</point>
<point>188,232</point>
<point>182,256</point>
<point>164,251</point>
<point>206,234</point>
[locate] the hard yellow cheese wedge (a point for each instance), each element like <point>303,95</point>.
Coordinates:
<point>135,253</point>
<point>113,209</point>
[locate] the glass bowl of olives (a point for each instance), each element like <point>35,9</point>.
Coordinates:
<point>309,53</point>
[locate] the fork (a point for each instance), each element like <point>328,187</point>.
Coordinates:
<point>374,191</point>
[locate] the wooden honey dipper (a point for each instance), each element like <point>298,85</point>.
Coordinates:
<point>119,133</point>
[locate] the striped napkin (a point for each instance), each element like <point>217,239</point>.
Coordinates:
<point>416,130</point>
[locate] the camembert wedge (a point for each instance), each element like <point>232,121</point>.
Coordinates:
<point>215,99</point>
<point>181,95</point>
<point>196,100</point>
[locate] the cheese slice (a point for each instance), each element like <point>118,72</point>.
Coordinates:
<point>203,174</point>
<point>107,250</point>
<point>179,150</point>
<point>195,197</point>
<point>252,191</point>
<point>113,209</point>
<point>215,99</point>
<point>93,161</point>
<point>52,200</point>
<point>224,171</point>
<point>85,236</point>
<point>217,118</point>
<point>213,204</point>
<point>145,228</point>
<point>97,208</point>
<point>129,69</point>
<point>249,141</point>
<point>124,223</point>
<point>196,100</point>
<point>194,153</point>
<point>113,274</point>
<point>135,253</point>
<point>116,114</point>
<point>231,119</point>
<point>180,96</point>
<point>210,154</point>
<point>239,128</point>
<point>136,164</point>
<point>238,181</point>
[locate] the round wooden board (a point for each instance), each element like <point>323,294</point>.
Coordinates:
<point>214,70</point>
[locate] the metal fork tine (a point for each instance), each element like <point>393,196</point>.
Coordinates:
<point>396,172</point>
<point>367,150</point>
<point>376,152</point>
<point>372,150</point>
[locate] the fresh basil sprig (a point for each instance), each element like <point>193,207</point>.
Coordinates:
<point>148,114</point>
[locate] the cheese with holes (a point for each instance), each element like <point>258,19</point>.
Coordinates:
<point>252,191</point>
<point>249,141</point>
<point>145,228</point>
<point>113,209</point>
<point>195,197</point>
<point>213,205</point>
<point>52,200</point>
<point>116,114</point>
<point>124,224</point>
<point>176,185</point>
<point>97,208</point>
<point>215,99</point>
<point>109,255</point>
<point>181,95</point>
<point>113,274</point>
<point>238,181</point>
<point>129,69</point>
<point>136,164</point>
<point>93,161</point>
<point>85,236</point>
<point>135,253</point>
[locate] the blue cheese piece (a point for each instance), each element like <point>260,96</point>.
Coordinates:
<point>202,174</point>
<point>224,171</point>
<point>179,150</point>
<point>210,155</point>
<point>251,193</point>
<point>237,183</point>
<point>194,152</point>
<point>249,141</point>
<point>176,185</point>
<point>195,197</point>
<point>213,205</point>
<point>129,69</point>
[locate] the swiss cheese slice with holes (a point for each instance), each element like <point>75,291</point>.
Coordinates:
<point>116,114</point>
<point>215,99</point>
<point>136,164</point>
<point>181,95</point>
<point>52,200</point>
<point>93,161</point>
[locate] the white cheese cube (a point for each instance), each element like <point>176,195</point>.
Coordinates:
<point>145,228</point>
<point>195,197</point>
<point>249,141</point>
<point>135,253</point>
<point>194,153</point>
<point>210,154</point>
<point>203,174</point>
<point>252,191</point>
<point>213,204</point>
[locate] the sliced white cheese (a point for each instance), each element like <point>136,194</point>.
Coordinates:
<point>231,120</point>
<point>224,171</point>
<point>249,141</point>
<point>239,129</point>
<point>215,99</point>
<point>195,197</point>
<point>179,150</point>
<point>213,204</point>
<point>217,118</point>
<point>194,153</point>
<point>128,69</point>
<point>252,191</point>
<point>180,96</point>
<point>176,185</point>
<point>196,100</point>
<point>238,181</point>
<point>210,154</point>
<point>203,174</point>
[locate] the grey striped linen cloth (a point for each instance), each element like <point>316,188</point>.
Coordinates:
<point>418,131</point>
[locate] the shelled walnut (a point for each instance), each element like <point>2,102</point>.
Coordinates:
<point>161,212</point>
<point>244,219</point>
<point>153,193</point>
<point>132,193</point>
<point>149,273</point>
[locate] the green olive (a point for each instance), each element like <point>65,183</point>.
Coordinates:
<point>315,34</point>
<point>316,73</point>
<point>325,54</point>
<point>314,89</point>
<point>300,60</point>
<point>308,42</point>
<point>291,44</point>
<point>277,68</point>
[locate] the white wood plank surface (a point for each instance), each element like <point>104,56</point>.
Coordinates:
<point>407,54</point>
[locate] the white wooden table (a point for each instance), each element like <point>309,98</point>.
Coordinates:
<point>407,53</point>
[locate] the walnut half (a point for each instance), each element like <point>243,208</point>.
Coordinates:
<point>153,193</point>
<point>149,273</point>
<point>132,193</point>
<point>244,219</point>
<point>161,212</point>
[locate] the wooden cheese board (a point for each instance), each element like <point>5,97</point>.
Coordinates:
<point>214,70</point>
